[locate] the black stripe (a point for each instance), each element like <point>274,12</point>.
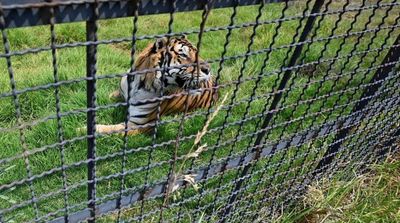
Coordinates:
<point>161,62</point>
<point>194,101</point>
<point>166,111</point>
<point>140,116</point>
<point>143,103</point>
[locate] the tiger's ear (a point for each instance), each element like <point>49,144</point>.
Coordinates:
<point>183,36</point>
<point>159,44</point>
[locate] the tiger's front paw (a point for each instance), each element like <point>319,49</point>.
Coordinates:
<point>100,129</point>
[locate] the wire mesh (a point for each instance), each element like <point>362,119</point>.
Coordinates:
<point>308,90</point>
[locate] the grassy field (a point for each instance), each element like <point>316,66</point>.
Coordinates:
<point>370,197</point>
<point>36,69</point>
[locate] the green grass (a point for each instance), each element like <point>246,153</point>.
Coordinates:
<point>36,69</point>
<point>370,197</point>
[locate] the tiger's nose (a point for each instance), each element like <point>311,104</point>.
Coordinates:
<point>205,70</point>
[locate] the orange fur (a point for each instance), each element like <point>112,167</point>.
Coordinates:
<point>146,60</point>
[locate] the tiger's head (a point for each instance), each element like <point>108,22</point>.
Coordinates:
<point>170,55</point>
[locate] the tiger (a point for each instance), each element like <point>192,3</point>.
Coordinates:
<point>164,81</point>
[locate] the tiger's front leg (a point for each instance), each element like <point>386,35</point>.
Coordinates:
<point>117,129</point>
<point>132,129</point>
<point>140,118</point>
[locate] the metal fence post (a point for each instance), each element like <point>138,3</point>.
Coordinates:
<point>91,60</point>
<point>382,73</point>
<point>285,79</point>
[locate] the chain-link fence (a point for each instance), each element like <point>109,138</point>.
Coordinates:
<point>307,90</point>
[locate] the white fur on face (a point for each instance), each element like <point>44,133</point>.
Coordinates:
<point>158,74</point>
<point>174,70</point>
<point>185,50</point>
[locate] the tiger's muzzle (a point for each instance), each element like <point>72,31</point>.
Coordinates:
<point>198,76</point>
